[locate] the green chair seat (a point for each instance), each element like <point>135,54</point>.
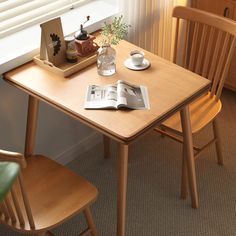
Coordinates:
<point>8,174</point>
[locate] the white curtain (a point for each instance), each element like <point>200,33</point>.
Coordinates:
<point>151,24</point>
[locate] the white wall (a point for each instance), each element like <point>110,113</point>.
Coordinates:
<point>58,135</point>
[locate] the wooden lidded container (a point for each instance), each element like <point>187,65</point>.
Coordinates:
<point>86,47</point>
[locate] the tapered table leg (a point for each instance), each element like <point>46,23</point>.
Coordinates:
<point>188,142</point>
<point>31,127</point>
<point>106,145</point>
<point>122,187</point>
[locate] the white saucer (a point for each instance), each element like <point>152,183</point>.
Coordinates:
<point>130,65</point>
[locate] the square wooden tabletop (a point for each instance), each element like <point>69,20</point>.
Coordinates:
<point>170,87</point>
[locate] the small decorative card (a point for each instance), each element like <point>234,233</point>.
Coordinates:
<point>52,46</point>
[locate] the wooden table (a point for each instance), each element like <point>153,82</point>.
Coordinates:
<point>171,88</point>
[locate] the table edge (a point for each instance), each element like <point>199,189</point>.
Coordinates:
<point>118,138</point>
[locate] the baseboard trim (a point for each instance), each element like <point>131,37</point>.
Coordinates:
<point>79,148</point>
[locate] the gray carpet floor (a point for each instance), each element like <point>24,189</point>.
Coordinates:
<point>153,203</point>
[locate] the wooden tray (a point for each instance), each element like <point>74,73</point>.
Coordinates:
<point>66,69</point>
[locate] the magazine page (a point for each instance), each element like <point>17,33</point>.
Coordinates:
<point>132,96</point>
<point>101,97</point>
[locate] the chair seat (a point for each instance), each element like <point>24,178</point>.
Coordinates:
<point>202,112</point>
<point>55,193</point>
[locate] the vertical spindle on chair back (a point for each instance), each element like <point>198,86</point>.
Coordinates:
<point>15,209</point>
<point>204,44</point>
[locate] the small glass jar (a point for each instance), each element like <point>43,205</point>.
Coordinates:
<point>71,52</point>
<point>106,61</point>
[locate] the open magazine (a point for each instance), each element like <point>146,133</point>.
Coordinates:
<point>120,95</point>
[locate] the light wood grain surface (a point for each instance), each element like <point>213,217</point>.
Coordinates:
<point>169,86</point>
<point>64,200</point>
<point>202,112</point>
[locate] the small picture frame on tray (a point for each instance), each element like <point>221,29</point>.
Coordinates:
<point>52,46</point>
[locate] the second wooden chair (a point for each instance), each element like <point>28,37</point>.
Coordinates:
<point>44,196</point>
<point>204,44</point>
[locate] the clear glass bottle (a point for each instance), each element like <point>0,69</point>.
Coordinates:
<point>106,61</point>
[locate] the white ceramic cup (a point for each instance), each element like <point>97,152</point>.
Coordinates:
<point>137,57</point>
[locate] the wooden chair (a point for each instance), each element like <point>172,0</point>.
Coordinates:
<point>204,44</point>
<point>45,195</point>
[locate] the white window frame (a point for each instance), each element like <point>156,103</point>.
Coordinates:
<point>22,46</point>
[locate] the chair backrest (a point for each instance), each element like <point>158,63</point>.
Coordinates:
<point>15,208</point>
<point>204,44</point>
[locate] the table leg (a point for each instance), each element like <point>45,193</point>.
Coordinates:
<point>31,127</point>
<point>188,142</point>
<point>106,145</point>
<point>122,187</point>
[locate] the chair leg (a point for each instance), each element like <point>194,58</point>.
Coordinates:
<point>184,177</point>
<point>218,142</point>
<point>90,222</point>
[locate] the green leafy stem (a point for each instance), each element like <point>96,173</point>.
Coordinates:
<point>114,32</point>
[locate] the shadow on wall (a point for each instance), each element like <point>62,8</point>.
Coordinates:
<point>13,108</point>
<point>57,134</point>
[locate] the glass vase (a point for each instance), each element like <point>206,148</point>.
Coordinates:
<point>106,61</point>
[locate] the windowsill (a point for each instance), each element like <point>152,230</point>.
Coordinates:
<point>22,46</point>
